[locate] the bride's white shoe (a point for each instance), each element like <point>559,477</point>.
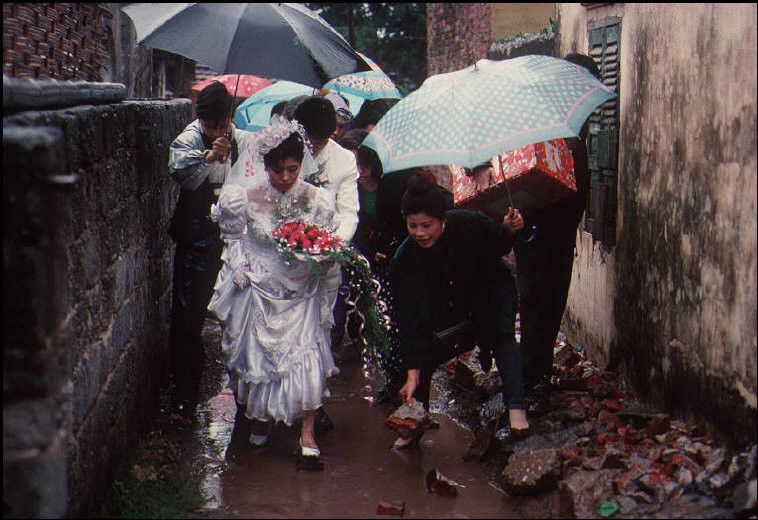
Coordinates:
<point>309,452</point>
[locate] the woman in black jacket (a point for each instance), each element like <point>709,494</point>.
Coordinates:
<point>450,269</point>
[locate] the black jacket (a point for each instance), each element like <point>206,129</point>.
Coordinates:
<point>463,276</point>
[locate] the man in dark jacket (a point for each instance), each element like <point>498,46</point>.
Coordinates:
<point>200,159</point>
<point>544,264</point>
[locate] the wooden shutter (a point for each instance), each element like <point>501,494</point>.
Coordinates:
<point>602,145</point>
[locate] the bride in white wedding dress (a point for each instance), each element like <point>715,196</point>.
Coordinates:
<point>275,313</point>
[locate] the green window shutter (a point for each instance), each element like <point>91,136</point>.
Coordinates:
<point>602,140</point>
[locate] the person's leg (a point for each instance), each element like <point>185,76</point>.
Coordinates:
<point>332,281</point>
<point>532,269</point>
<point>307,434</point>
<point>507,357</point>
<point>259,431</point>
<point>557,286</point>
<point>195,272</point>
<point>179,335</point>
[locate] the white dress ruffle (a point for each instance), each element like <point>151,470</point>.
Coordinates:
<point>276,315</point>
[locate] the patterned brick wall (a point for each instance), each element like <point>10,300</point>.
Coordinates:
<point>61,41</point>
<point>458,34</point>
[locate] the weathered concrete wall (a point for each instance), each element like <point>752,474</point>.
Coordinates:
<point>87,266</point>
<point>679,307</point>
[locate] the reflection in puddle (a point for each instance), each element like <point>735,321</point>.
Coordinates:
<point>361,472</point>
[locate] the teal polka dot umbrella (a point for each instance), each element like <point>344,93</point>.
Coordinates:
<point>468,116</point>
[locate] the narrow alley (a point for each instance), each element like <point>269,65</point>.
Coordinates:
<point>361,473</point>
<point>575,469</point>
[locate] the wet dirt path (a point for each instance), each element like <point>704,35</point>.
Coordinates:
<point>242,481</point>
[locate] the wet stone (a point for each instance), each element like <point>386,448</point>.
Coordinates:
<point>464,375</point>
<point>531,472</point>
<point>580,492</point>
<point>390,507</point>
<point>439,484</point>
<point>566,357</point>
<point>489,384</point>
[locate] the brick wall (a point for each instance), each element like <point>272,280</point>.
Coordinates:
<point>458,34</point>
<point>61,41</point>
<point>87,268</point>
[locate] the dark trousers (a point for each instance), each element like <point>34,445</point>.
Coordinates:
<point>544,274</point>
<point>504,350</point>
<point>195,271</point>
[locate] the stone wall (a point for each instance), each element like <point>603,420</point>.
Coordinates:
<point>674,303</point>
<point>87,264</point>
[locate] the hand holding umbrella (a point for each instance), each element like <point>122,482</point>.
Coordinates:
<point>513,221</point>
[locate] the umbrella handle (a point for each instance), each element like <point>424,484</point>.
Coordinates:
<point>234,96</point>
<point>510,198</point>
<point>521,234</point>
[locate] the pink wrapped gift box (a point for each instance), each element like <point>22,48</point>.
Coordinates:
<point>536,175</point>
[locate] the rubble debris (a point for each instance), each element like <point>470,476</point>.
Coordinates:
<point>390,507</point>
<point>581,491</point>
<point>407,418</point>
<point>596,433</point>
<point>531,472</point>
<point>439,484</point>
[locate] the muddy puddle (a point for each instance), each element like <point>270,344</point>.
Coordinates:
<point>239,480</point>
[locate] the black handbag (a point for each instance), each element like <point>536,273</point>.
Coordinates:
<point>461,337</point>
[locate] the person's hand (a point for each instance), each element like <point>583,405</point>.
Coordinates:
<point>378,257</point>
<point>513,221</point>
<point>219,150</point>
<point>409,388</point>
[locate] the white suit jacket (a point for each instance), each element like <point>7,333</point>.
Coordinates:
<point>338,172</point>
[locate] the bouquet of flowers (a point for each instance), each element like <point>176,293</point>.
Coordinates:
<point>299,237</point>
<point>312,245</point>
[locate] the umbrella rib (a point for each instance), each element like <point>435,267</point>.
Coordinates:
<point>290,20</point>
<point>236,28</point>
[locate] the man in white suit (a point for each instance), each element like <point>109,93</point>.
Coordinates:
<point>336,171</point>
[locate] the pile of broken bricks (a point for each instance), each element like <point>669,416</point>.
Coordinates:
<point>604,452</point>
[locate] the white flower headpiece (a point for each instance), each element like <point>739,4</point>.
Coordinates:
<point>278,130</point>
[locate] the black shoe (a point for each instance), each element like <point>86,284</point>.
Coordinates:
<point>323,423</point>
<point>508,434</point>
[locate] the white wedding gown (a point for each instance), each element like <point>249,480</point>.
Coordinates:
<point>275,314</point>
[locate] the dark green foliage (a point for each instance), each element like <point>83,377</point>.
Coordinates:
<point>391,34</point>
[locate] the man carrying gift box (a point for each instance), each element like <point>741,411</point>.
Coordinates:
<point>544,264</point>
